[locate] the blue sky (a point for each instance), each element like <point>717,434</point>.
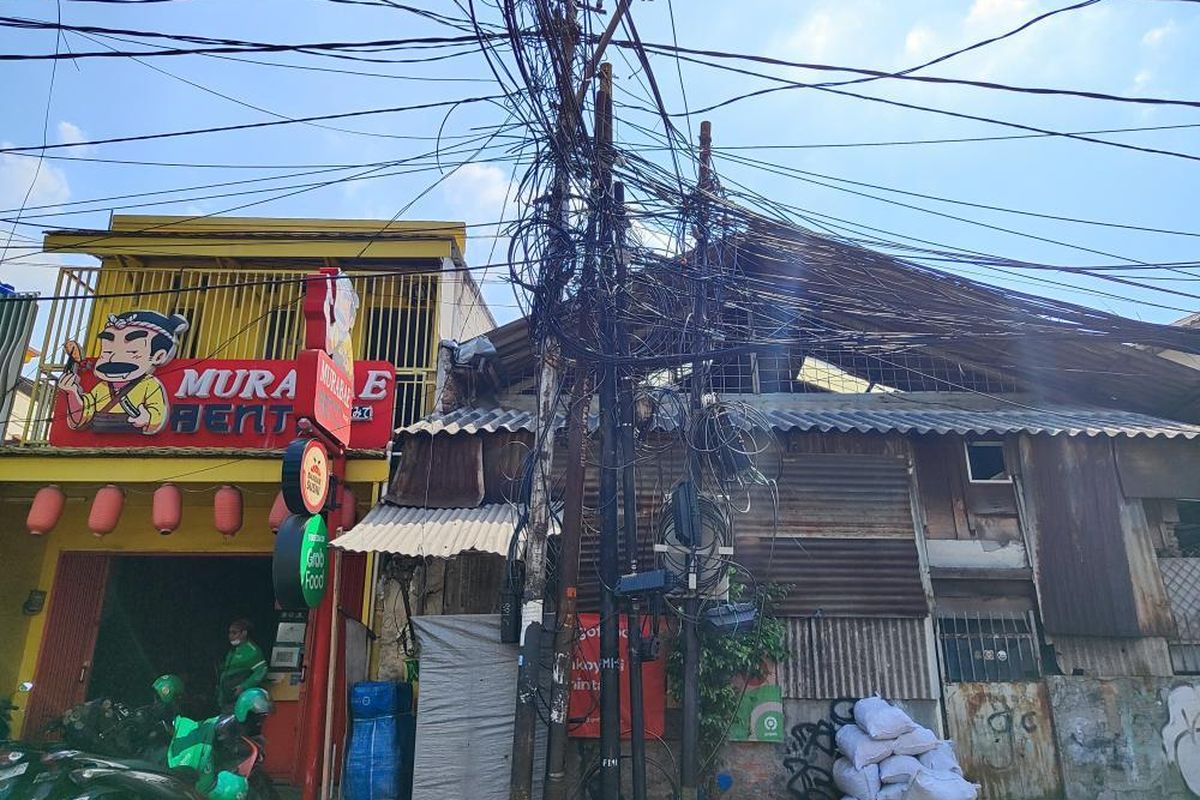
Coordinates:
<point>1127,47</point>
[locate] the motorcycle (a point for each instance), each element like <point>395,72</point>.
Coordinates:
<point>108,728</point>
<point>218,758</point>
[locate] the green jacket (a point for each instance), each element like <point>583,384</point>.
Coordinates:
<point>244,668</point>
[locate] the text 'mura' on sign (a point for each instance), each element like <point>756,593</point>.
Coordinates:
<point>324,394</point>
<point>238,403</point>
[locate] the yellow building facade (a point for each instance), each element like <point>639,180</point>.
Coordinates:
<point>239,283</point>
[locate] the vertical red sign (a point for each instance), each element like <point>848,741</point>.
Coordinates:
<point>584,709</point>
<point>324,394</point>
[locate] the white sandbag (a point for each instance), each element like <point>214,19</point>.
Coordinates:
<point>859,783</point>
<point>929,785</point>
<point>880,719</point>
<point>917,741</point>
<point>898,769</point>
<point>941,759</point>
<point>892,791</point>
<point>860,748</point>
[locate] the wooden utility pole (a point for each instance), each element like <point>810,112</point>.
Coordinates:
<point>689,759</point>
<point>538,527</point>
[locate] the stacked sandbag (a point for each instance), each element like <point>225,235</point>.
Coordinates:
<point>887,756</point>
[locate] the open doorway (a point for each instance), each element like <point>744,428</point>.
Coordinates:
<point>169,614</point>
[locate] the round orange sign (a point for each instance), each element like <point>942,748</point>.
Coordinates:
<point>305,476</point>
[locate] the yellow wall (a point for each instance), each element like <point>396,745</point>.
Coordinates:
<point>134,534</point>
<point>21,557</point>
<point>29,562</point>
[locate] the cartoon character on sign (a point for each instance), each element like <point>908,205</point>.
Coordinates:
<point>127,398</point>
<point>343,310</point>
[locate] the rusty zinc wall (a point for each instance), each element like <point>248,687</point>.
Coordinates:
<point>837,526</point>
<point>839,577</point>
<point>1095,567</point>
<point>1004,738</point>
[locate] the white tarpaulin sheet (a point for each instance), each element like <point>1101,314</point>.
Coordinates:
<point>465,711</point>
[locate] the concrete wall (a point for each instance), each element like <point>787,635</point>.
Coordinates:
<point>1066,738</point>
<point>1079,738</point>
<point>796,768</point>
<point>1126,738</point>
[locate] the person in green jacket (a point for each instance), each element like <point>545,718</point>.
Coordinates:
<point>244,666</point>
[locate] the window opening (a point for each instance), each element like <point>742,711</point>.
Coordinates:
<point>985,462</point>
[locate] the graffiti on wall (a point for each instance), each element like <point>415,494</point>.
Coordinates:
<point>811,749</point>
<point>1179,735</point>
<point>1004,738</point>
<point>1007,724</point>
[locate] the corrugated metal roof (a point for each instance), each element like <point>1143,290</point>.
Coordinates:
<point>474,420</point>
<point>433,532</point>
<point>868,414</point>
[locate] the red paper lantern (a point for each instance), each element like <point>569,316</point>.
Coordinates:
<point>279,512</point>
<point>348,510</point>
<point>46,510</point>
<point>167,509</point>
<point>227,510</point>
<point>106,510</point>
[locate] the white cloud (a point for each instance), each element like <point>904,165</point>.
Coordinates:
<point>1142,79</point>
<point>1155,36</point>
<point>477,188</point>
<point>19,175</point>
<point>833,35</point>
<point>998,12</point>
<point>70,133</point>
<point>24,185</point>
<point>480,194</point>
<point>919,42</point>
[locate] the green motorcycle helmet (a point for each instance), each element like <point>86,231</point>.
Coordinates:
<point>252,701</point>
<point>168,688</point>
<point>229,786</point>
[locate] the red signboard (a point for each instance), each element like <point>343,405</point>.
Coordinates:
<point>215,403</point>
<point>585,683</point>
<point>324,394</point>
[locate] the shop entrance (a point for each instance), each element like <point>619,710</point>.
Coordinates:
<point>170,614</point>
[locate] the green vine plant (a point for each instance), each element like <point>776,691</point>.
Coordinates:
<point>724,657</point>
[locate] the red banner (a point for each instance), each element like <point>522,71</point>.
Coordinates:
<point>211,403</point>
<point>584,709</point>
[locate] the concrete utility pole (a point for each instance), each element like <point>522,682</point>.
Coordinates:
<point>689,760</point>
<point>538,527</point>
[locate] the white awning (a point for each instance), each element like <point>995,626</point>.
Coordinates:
<point>432,532</point>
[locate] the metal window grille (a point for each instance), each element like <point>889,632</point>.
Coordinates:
<point>988,646</point>
<point>1181,578</point>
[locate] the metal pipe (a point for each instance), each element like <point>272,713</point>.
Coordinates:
<point>568,562</point>
<point>637,734</point>
<point>689,745</point>
<point>327,761</point>
<point>610,662</point>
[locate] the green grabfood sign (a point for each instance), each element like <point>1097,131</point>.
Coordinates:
<point>300,568</point>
